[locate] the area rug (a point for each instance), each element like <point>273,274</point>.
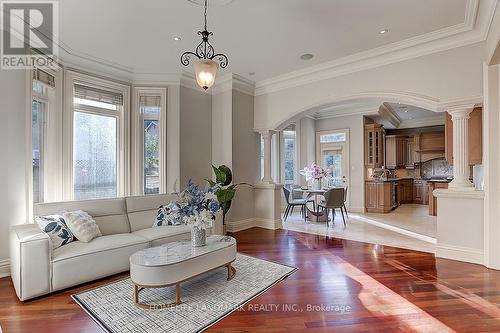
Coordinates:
<point>206,299</point>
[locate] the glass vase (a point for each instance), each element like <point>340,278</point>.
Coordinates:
<point>198,236</point>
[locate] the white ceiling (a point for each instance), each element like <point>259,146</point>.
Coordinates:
<point>409,112</point>
<point>262,36</point>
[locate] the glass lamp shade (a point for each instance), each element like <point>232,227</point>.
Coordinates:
<point>205,71</point>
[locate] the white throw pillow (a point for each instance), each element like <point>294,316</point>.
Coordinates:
<point>55,227</point>
<point>82,225</point>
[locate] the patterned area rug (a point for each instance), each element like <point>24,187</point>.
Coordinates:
<point>206,299</point>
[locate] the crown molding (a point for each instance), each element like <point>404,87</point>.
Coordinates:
<point>474,29</point>
<point>371,110</point>
<point>386,112</point>
<point>423,122</point>
<point>231,81</point>
<point>461,103</point>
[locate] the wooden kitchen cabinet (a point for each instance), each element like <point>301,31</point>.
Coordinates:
<point>431,198</point>
<point>475,134</point>
<point>379,197</point>
<point>410,158</point>
<point>418,192</point>
<point>405,191</point>
<point>374,146</point>
<point>395,151</point>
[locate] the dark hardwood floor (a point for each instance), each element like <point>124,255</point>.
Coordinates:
<point>340,286</point>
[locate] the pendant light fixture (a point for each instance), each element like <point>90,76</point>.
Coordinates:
<point>205,67</point>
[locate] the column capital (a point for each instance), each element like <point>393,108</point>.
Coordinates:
<point>460,111</point>
<point>265,132</point>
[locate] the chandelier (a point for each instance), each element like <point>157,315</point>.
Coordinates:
<point>205,67</point>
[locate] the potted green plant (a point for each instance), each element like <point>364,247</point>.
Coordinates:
<point>224,190</point>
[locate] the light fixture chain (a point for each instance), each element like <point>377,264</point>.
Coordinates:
<point>206,5</point>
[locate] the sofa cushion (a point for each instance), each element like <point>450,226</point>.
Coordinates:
<point>109,214</point>
<point>142,210</point>
<point>80,262</point>
<point>166,234</point>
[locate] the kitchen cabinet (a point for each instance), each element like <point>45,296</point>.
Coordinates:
<point>419,192</point>
<point>475,135</point>
<point>395,151</point>
<point>379,197</point>
<point>432,199</point>
<point>410,158</point>
<point>374,146</point>
<point>405,191</point>
<point>429,146</point>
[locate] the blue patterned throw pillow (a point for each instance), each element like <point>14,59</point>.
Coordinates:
<point>167,215</point>
<point>55,227</point>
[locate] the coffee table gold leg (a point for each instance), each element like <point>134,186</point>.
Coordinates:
<point>231,272</point>
<point>177,294</point>
<point>136,294</point>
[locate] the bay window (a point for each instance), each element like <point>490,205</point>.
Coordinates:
<point>98,133</point>
<point>149,174</point>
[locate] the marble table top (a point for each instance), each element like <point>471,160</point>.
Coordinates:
<point>173,253</point>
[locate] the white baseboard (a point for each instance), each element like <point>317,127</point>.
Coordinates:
<point>4,268</point>
<point>269,224</point>
<point>236,226</point>
<point>466,254</point>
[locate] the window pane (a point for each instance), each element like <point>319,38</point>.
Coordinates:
<point>151,157</point>
<point>37,132</point>
<point>334,137</point>
<point>94,103</point>
<point>94,156</point>
<point>289,156</point>
<point>151,110</point>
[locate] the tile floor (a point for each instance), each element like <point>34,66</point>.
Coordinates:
<point>358,230</point>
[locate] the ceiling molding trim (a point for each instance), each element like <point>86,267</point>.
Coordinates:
<point>423,122</point>
<point>231,81</point>
<point>372,110</point>
<point>468,102</point>
<point>468,32</point>
<point>386,112</point>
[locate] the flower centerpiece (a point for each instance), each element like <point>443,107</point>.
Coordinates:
<point>315,174</point>
<point>197,209</point>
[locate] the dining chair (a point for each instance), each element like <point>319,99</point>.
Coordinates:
<point>345,199</point>
<point>334,198</point>
<point>292,203</point>
<point>298,194</point>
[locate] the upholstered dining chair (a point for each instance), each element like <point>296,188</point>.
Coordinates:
<point>292,203</point>
<point>334,198</point>
<point>345,199</point>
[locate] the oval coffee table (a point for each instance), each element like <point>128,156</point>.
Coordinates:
<point>173,263</point>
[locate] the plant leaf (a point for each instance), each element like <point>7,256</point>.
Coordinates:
<point>220,176</point>
<point>228,174</point>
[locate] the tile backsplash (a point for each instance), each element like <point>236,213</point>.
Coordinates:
<point>436,168</point>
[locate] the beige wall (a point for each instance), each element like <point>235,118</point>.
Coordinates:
<point>13,151</point>
<point>245,148</point>
<point>196,136</point>
<point>222,131</point>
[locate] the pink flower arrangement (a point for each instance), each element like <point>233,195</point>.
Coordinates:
<point>315,172</point>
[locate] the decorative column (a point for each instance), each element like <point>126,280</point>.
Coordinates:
<point>266,137</point>
<point>461,169</point>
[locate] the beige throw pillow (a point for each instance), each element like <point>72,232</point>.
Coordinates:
<point>82,225</point>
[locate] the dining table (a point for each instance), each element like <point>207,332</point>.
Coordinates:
<point>317,194</point>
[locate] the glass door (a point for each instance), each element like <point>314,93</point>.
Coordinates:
<point>333,157</point>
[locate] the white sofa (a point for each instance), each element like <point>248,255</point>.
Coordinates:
<point>126,227</point>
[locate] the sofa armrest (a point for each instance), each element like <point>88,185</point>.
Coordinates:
<point>30,261</point>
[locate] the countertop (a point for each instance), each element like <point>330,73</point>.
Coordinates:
<point>389,180</point>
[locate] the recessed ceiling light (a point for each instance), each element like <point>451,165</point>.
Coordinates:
<point>383,31</point>
<point>406,111</point>
<point>307,56</point>
<point>176,38</point>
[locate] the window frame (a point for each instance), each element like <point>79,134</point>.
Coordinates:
<point>51,145</point>
<point>73,77</point>
<point>138,118</point>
